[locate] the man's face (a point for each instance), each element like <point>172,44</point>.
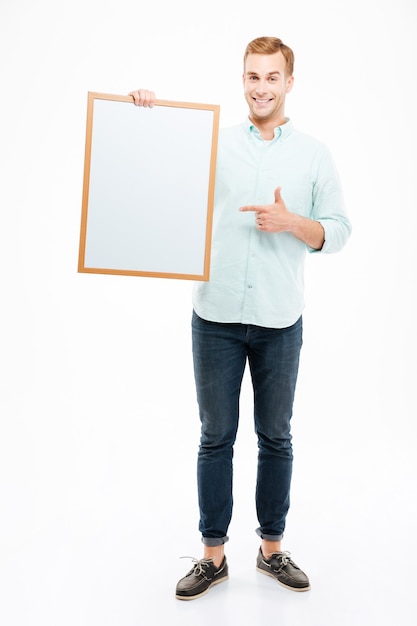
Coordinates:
<point>265,86</point>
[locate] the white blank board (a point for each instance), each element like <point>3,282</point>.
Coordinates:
<point>148,188</point>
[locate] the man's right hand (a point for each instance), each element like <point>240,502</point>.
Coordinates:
<point>143,97</point>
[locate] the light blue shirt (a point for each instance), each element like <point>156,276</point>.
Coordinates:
<point>258,277</point>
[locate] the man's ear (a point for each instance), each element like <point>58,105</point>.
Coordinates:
<point>290,83</point>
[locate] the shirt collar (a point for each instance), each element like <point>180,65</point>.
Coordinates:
<point>280,132</point>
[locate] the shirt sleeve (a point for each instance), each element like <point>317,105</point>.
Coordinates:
<point>328,204</point>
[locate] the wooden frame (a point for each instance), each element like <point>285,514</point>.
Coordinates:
<point>148,192</point>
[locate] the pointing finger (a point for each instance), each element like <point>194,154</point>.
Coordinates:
<point>249,208</point>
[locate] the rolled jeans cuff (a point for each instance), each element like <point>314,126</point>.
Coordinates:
<point>269,537</point>
<point>211,542</point>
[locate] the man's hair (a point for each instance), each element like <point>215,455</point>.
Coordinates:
<point>271,45</point>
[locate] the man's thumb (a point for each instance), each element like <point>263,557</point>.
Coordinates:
<point>277,194</point>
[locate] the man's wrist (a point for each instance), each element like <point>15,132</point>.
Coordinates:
<point>311,232</point>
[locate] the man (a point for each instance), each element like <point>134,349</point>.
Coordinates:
<point>277,196</point>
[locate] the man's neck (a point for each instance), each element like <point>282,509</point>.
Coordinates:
<point>267,127</point>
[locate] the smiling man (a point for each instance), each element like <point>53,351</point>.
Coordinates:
<point>267,79</point>
<point>277,197</point>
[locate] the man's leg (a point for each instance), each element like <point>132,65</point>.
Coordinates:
<point>219,355</point>
<point>274,359</point>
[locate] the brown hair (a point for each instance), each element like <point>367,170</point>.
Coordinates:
<point>270,45</point>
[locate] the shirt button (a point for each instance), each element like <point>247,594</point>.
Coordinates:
<point>249,286</point>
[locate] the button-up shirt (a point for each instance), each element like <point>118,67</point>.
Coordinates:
<point>258,277</point>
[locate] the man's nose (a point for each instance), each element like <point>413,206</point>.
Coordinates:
<point>261,86</point>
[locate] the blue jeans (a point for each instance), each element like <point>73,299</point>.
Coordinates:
<point>220,353</point>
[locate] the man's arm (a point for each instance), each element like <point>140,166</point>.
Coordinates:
<point>275,218</point>
<point>307,230</point>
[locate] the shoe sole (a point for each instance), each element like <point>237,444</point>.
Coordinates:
<point>262,571</point>
<point>203,593</point>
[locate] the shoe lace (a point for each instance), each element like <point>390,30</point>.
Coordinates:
<point>199,565</point>
<point>285,557</point>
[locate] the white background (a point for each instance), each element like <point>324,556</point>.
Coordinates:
<point>99,424</point>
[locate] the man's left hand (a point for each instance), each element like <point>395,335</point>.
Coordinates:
<point>271,218</point>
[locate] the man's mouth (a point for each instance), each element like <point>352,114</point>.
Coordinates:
<point>262,101</point>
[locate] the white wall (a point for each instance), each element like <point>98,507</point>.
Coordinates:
<point>97,406</point>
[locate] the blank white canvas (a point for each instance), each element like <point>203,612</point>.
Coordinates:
<point>149,180</point>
